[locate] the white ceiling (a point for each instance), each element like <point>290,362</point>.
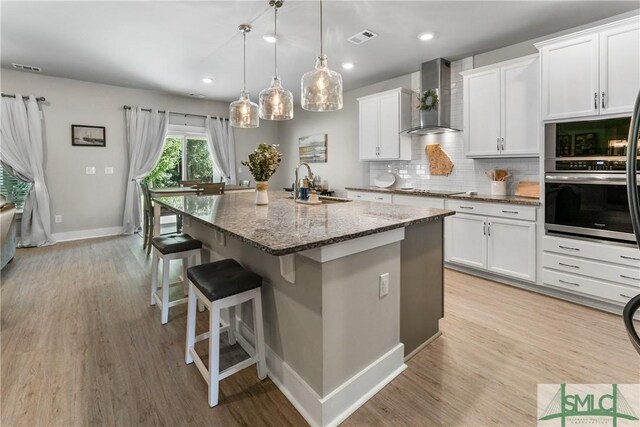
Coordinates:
<point>170,45</point>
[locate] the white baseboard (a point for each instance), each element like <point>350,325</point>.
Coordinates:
<point>341,402</point>
<point>422,346</point>
<point>87,234</point>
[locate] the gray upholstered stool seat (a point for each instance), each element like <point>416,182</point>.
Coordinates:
<point>175,243</point>
<point>223,279</point>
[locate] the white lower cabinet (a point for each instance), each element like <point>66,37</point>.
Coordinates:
<point>498,245</point>
<point>419,201</point>
<point>466,240</point>
<point>601,271</point>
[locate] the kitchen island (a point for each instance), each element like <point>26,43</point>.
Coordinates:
<point>334,275</point>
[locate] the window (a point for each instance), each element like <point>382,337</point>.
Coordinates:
<point>185,157</point>
<point>13,189</point>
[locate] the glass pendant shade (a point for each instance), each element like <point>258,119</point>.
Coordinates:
<point>276,103</point>
<point>243,113</point>
<point>321,88</point>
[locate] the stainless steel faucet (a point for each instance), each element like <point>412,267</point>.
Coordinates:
<point>296,184</point>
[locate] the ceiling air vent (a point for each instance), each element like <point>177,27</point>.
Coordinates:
<point>26,67</point>
<point>362,36</point>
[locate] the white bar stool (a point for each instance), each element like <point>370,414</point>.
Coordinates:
<point>167,248</point>
<point>218,285</point>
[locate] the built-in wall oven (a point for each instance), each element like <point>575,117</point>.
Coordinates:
<point>585,180</point>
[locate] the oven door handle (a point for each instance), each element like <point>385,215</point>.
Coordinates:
<point>587,179</point>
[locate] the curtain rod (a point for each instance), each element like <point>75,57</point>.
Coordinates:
<point>128,107</point>
<point>8,95</point>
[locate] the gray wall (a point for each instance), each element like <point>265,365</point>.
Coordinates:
<point>90,202</point>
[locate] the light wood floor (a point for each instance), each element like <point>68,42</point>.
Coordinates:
<point>81,346</point>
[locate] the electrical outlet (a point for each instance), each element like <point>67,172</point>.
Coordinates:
<point>240,170</point>
<point>90,170</point>
<point>108,170</point>
<point>384,284</point>
<point>58,219</point>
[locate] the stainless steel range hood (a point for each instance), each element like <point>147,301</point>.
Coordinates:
<point>435,75</point>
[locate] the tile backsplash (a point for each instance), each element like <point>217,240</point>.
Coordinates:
<point>468,174</point>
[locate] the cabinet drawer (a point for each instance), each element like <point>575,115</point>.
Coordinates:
<point>514,211</point>
<point>613,273</point>
<point>583,285</point>
<point>475,208</point>
<point>419,201</point>
<point>597,251</point>
<point>370,197</point>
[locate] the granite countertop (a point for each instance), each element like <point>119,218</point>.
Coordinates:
<point>514,200</point>
<point>284,227</point>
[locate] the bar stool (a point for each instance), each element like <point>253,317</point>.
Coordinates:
<point>167,248</point>
<point>223,284</point>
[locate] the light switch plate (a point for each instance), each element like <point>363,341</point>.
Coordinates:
<point>58,219</point>
<point>384,284</point>
<point>90,170</point>
<point>108,170</point>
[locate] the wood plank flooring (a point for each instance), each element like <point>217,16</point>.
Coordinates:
<point>81,346</point>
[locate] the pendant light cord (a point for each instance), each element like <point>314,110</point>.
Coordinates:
<point>321,46</point>
<point>275,47</point>
<point>244,60</point>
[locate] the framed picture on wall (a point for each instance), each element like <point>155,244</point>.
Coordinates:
<point>88,136</point>
<point>313,149</point>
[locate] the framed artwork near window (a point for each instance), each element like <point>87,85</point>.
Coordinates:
<point>88,136</point>
<point>313,149</point>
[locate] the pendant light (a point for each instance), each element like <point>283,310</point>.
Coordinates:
<point>276,103</point>
<point>243,113</point>
<point>321,87</point>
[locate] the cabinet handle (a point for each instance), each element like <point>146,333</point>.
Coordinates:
<point>595,100</point>
<point>498,143</point>
<point>625,296</point>
<point>568,265</point>
<point>629,277</point>
<point>484,228</point>
<point>569,248</point>
<point>502,144</point>
<point>629,257</point>
<point>465,207</point>
<point>379,198</point>
<point>603,100</point>
<point>488,229</point>
<point>568,283</point>
<point>510,212</point>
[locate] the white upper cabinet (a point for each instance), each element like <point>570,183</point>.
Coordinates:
<point>383,116</point>
<point>482,112</point>
<point>591,73</point>
<point>501,109</point>
<point>619,68</point>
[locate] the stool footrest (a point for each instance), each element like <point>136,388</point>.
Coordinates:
<point>200,364</point>
<point>237,367</point>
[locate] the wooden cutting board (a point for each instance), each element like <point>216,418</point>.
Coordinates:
<point>528,189</point>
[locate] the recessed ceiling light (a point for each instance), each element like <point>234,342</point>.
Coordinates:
<point>425,36</point>
<point>207,80</point>
<point>269,38</point>
<point>347,65</point>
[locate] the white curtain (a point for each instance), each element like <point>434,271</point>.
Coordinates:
<point>146,131</point>
<point>22,154</point>
<point>222,146</point>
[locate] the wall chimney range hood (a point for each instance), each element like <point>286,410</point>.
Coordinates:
<point>435,75</point>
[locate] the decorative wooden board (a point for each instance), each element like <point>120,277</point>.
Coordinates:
<point>528,189</point>
<point>439,162</point>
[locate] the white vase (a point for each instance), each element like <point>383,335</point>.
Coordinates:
<point>262,196</point>
<point>498,188</point>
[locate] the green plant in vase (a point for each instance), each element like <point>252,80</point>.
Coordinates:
<point>262,164</point>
